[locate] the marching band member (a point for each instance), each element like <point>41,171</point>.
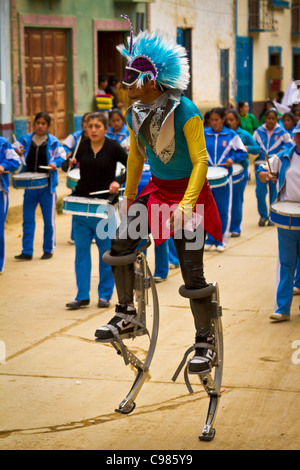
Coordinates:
<point>40,148</point>
<point>9,162</point>
<point>97,156</point>
<point>285,170</point>
<point>271,138</point>
<point>70,144</point>
<point>224,147</point>
<point>233,122</point>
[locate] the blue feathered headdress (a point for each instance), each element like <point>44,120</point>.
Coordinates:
<point>155,56</point>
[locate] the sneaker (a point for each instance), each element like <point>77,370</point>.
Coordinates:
<point>123,321</point>
<point>262,222</point>
<point>204,357</point>
<point>296,290</point>
<point>208,246</point>
<point>220,248</point>
<point>103,303</point>
<point>158,279</point>
<point>279,317</point>
<point>23,257</point>
<point>235,234</point>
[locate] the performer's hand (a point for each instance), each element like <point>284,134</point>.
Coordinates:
<point>72,162</point>
<point>20,151</point>
<point>266,176</point>
<point>52,166</point>
<point>177,220</point>
<point>228,163</point>
<point>114,187</point>
<point>1,169</point>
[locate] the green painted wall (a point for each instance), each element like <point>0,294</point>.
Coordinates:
<point>84,11</point>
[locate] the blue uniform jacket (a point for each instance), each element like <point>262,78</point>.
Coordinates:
<point>223,145</point>
<point>10,161</point>
<point>248,141</point>
<point>285,158</point>
<point>280,140</point>
<point>70,142</point>
<point>55,154</point>
<point>119,136</point>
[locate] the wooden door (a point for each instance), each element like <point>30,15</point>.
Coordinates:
<point>46,77</point>
<point>110,61</point>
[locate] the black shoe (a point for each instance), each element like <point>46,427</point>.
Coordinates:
<point>23,257</point>
<point>76,304</point>
<point>204,357</point>
<point>262,222</point>
<point>47,255</point>
<point>270,223</point>
<point>102,303</point>
<point>123,321</point>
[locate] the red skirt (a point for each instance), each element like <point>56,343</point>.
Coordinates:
<point>171,192</point>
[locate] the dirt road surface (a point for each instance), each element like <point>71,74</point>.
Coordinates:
<point>59,388</point>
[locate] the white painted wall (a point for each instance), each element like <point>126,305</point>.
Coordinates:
<point>213,29</point>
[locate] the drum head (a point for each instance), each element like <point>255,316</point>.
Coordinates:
<point>216,172</point>
<point>74,174</point>
<point>237,169</point>
<point>288,208</point>
<point>27,175</point>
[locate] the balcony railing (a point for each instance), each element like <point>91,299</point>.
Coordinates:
<point>261,16</point>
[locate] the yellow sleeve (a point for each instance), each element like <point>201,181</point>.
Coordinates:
<point>135,165</point>
<point>194,134</point>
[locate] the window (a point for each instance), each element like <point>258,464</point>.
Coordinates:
<point>295,16</point>
<point>261,16</point>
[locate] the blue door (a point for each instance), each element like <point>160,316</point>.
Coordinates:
<point>184,38</point>
<point>244,69</point>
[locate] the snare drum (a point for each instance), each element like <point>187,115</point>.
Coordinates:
<point>237,173</point>
<point>72,178</point>
<point>286,214</point>
<point>29,180</point>
<point>89,207</point>
<point>217,176</point>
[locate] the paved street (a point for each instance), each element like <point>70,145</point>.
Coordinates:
<point>59,388</point>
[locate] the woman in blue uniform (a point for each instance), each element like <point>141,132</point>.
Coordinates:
<point>233,122</point>
<point>224,147</point>
<point>272,138</point>
<point>98,157</point>
<point>9,162</point>
<point>40,148</point>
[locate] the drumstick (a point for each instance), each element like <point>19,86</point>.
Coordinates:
<point>75,151</point>
<point>105,191</point>
<point>267,158</point>
<point>45,167</point>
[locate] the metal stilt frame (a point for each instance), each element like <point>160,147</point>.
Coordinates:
<point>211,385</point>
<point>144,288</point>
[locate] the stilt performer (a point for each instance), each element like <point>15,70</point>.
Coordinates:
<point>166,129</point>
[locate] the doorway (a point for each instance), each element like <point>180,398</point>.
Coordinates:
<point>46,77</point>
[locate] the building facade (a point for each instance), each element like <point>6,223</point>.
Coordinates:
<point>53,51</point>
<point>52,54</point>
<point>267,49</point>
<point>207,30</point>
